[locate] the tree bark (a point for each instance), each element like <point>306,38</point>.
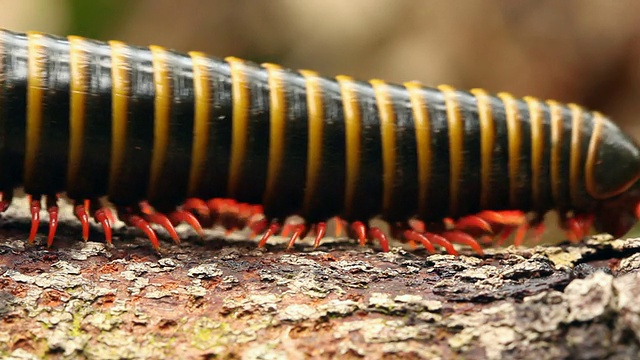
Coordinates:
<point>224,298</point>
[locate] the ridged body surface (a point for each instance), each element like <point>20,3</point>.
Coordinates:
<point>105,118</point>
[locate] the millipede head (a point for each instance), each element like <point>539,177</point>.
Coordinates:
<point>612,177</point>
<point>618,215</point>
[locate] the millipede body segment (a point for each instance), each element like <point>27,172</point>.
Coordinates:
<point>167,137</point>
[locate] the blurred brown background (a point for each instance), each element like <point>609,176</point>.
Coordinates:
<point>573,51</point>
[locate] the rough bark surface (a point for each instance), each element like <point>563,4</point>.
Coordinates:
<point>223,298</point>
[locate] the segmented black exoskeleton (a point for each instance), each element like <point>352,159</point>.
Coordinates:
<point>95,119</point>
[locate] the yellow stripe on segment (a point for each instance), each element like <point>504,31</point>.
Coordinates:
<point>423,142</point>
<point>78,64</point>
<point>241,102</point>
<point>202,96</point>
<point>352,119</point>
<point>537,146</point>
<point>589,169</point>
<point>592,160</point>
<point>36,82</point>
<point>388,136</point>
<point>162,111</point>
<point>315,110</point>
<point>515,145</point>
<point>120,96</point>
<point>556,148</point>
<point>456,148</point>
<point>487,142</point>
<point>278,112</point>
<point>574,160</point>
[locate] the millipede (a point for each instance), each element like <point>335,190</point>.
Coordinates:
<point>164,138</point>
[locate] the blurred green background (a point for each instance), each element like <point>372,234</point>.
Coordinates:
<point>585,51</point>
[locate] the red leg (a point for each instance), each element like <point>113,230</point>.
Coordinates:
<point>287,228</point>
<point>473,222</point>
<point>257,227</point>
<point>52,209</point>
<point>219,210</point>
<point>415,236</point>
<point>247,211</point>
<point>417,225</point>
<point>573,230</point>
<point>179,216</point>
<point>448,222</point>
<point>379,235</point>
<point>35,218</point>
<point>439,240</point>
<point>578,226</point>
<point>214,206</point>
<point>299,230</point>
<point>504,217</point>
<point>81,213</point>
<point>162,220</point>
<point>231,214</point>
<point>321,229</point>
<point>145,208</point>
<point>103,216</point>
<point>197,206</point>
<point>361,232</point>
<point>273,228</point>
<point>460,237</point>
<point>141,224</point>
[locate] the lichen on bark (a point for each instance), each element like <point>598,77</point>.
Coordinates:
<point>226,298</point>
